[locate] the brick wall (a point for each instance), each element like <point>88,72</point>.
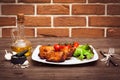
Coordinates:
<point>62,18</point>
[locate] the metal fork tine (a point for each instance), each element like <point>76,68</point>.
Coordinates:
<point>110,52</point>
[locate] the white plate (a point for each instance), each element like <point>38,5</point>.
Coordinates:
<point>71,61</point>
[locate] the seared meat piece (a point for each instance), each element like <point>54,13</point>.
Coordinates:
<point>68,52</point>
<point>45,50</point>
<point>55,57</point>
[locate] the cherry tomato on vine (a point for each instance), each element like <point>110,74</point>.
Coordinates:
<point>75,44</point>
<point>57,47</point>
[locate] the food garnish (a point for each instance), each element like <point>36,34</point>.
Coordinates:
<point>75,44</point>
<point>57,47</point>
<point>83,52</point>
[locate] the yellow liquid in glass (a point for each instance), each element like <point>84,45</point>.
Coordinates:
<point>19,49</point>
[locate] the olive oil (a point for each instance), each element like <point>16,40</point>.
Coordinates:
<point>19,48</point>
<point>19,42</point>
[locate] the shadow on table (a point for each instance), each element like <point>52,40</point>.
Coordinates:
<point>37,64</point>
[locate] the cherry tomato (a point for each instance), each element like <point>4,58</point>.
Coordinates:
<point>68,46</point>
<point>57,47</point>
<point>75,44</point>
<point>61,46</point>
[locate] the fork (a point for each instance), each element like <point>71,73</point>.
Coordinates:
<point>111,52</point>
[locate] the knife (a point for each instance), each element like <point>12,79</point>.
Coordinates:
<point>111,59</point>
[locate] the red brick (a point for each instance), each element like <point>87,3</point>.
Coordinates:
<point>53,9</point>
<point>15,9</point>
<point>29,32</point>
<point>37,21</point>
<point>7,21</point>
<point>69,21</point>
<point>6,32</point>
<point>7,1</point>
<point>104,21</point>
<point>104,1</point>
<point>53,32</point>
<point>114,9</point>
<point>87,32</point>
<point>35,1</point>
<point>88,9</point>
<point>113,32</point>
<point>69,1</point>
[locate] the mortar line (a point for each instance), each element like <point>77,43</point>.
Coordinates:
<point>105,32</point>
<point>86,1</point>
<point>70,32</point>
<point>52,22</point>
<point>35,32</point>
<point>87,24</point>
<point>16,1</point>
<point>51,1</point>
<point>70,8</point>
<point>105,9</point>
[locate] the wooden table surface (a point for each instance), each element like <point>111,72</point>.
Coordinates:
<point>38,71</point>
